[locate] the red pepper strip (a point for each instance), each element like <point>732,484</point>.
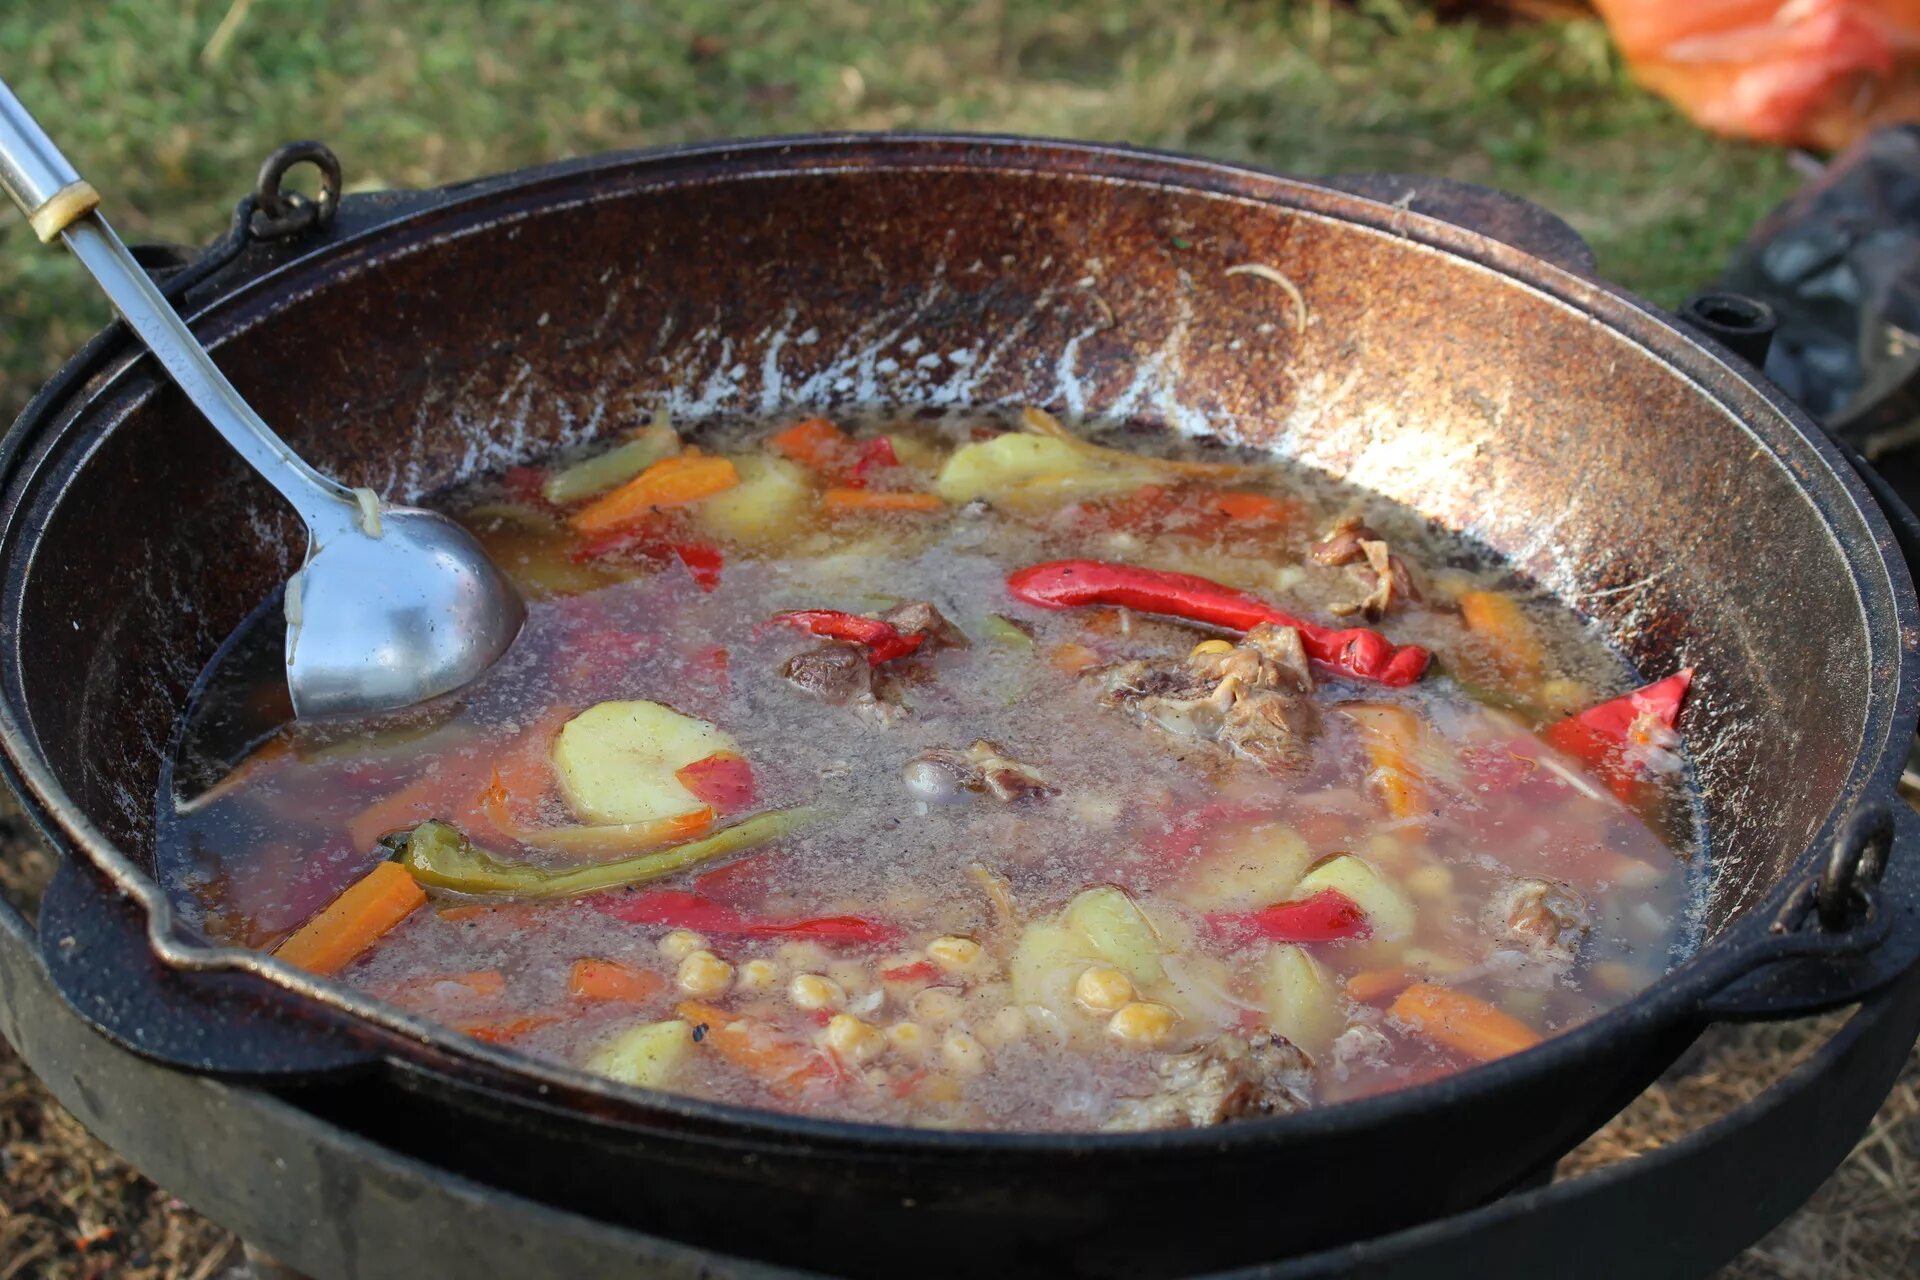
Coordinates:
<point>1355,651</point>
<point>1595,736</point>
<point>912,971</point>
<point>1327,916</point>
<point>702,562</point>
<point>877,452</point>
<point>679,909</point>
<point>884,641</point>
<point>646,542</point>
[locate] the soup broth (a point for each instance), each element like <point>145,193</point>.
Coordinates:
<point>966,773</point>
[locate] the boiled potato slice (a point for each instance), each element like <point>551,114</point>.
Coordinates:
<point>616,761</point>
<point>1257,868</point>
<point>1006,464</point>
<point>1301,1002</point>
<point>1389,911</point>
<point>1048,959</point>
<point>1118,931</point>
<point>645,1055</point>
<point>771,496</point>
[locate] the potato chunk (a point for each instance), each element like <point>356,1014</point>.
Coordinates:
<point>616,760</point>
<point>645,1055</point>
<point>772,494</point>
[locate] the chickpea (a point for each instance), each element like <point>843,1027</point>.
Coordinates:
<point>957,955</point>
<point>681,943</point>
<point>803,957</point>
<point>758,976</point>
<point>1432,881</point>
<point>1008,1025</point>
<point>705,974</point>
<point>1103,989</point>
<point>854,1040</point>
<point>1143,1024</point>
<point>852,976</point>
<point>812,992</point>
<point>938,1006</point>
<point>1206,647</point>
<point>963,1054</point>
<point>909,1039</point>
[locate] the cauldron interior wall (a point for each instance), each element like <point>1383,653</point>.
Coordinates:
<point>481,336</point>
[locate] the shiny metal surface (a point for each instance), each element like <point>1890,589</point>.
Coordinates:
<point>392,605</point>
<point>32,169</point>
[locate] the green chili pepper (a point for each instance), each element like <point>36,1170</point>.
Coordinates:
<point>439,856</point>
<point>1006,632</point>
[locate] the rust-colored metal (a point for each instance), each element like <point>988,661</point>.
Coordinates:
<point>1612,457</point>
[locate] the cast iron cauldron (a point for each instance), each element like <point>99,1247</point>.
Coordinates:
<point>1627,465</point>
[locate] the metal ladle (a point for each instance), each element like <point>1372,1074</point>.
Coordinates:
<point>393,605</point>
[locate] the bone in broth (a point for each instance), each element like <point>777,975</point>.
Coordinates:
<point>964,773</point>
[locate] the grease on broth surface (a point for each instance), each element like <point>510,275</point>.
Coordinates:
<point>742,816</point>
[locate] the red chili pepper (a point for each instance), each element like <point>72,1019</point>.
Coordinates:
<point>679,909</point>
<point>1356,651</point>
<point>912,971</point>
<point>877,452</point>
<point>1327,916</point>
<point>702,562</point>
<point>1598,735</point>
<point>884,641</point>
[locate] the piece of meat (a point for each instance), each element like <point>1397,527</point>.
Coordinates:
<point>941,776</point>
<point>1544,918</point>
<point>1232,1078</point>
<point>1358,1046</point>
<point>1253,700</point>
<point>837,672</point>
<point>1384,575</point>
<point>920,616</point>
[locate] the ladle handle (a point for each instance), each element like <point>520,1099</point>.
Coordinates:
<point>58,202</point>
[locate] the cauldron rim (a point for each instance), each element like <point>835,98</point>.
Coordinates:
<point>1670,1001</point>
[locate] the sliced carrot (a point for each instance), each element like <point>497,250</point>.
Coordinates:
<point>506,1030</point>
<point>815,444</point>
<point>723,780</point>
<point>446,793</point>
<point>482,984</point>
<point>1243,507</point>
<point>610,980</point>
<point>1511,647</point>
<point>1391,734</point>
<point>354,921</point>
<point>856,501</point>
<point>785,1066</point>
<point>670,482</point>
<point>1460,1021</point>
<point>1370,986</point>
<point>1071,659</point>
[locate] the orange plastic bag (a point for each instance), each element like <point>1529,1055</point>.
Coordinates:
<point>1806,72</point>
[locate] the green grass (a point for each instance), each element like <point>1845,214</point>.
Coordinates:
<point>417,92</point>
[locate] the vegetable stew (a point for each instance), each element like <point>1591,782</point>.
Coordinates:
<point>961,772</point>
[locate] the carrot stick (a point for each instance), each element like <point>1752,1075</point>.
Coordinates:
<point>1460,1021</point>
<point>670,482</point>
<point>1390,735</point>
<point>854,501</point>
<point>815,444</point>
<point>353,921</point>
<point>428,796</point>
<point>1512,648</point>
<point>1370,986</point>
<point>506,1030</point>
<point>1243,507</point>
<point>610,980</point>
<point>785,1066</point>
